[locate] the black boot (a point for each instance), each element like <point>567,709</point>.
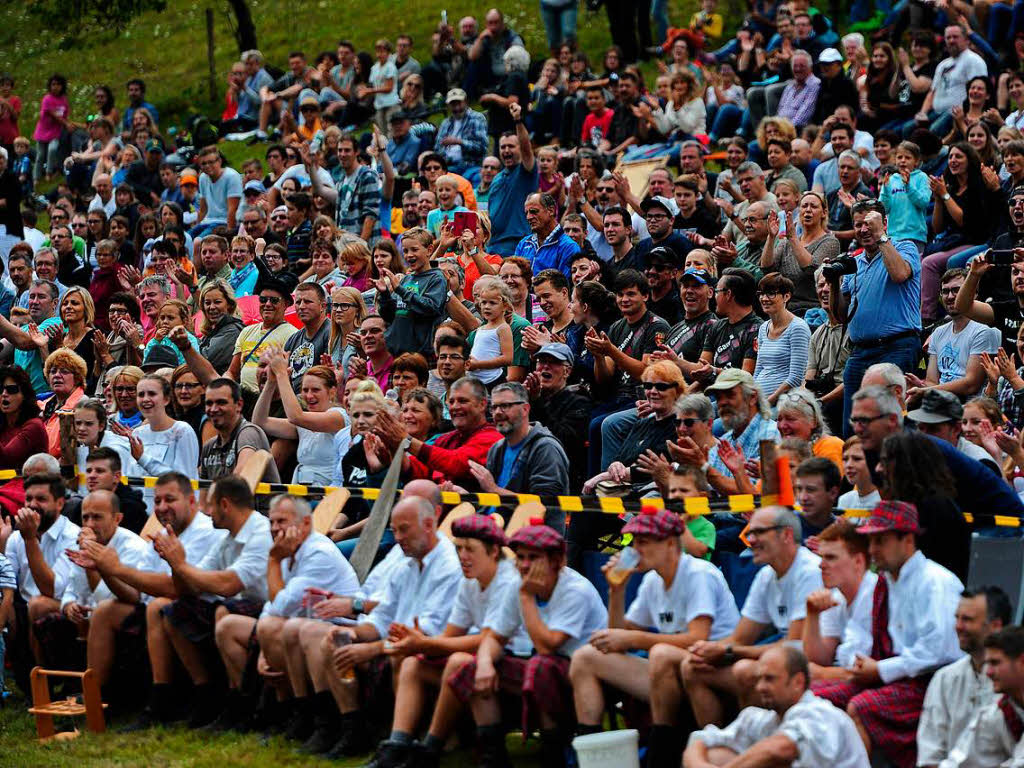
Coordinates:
<point>206,706</point>
<point>424,757</point>
<point>300,724</point>
<point>355,738</point>
<point>230,716</point>
<point>157,712</point>
<point>490,741</point>
<point>325,725</point>
<point>391,754</point>
<point>664,747</point>
<point>553,745</point>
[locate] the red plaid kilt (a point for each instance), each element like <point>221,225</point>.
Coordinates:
<point>542,679</point>
<point>889,713</point>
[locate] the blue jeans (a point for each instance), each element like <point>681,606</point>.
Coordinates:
<point>939,123</point>
<point>903,352</point>
<point>613,431</point>
<point>724,120</point>
<point>659,13</point>
<point>202,230</point>
<point>559,23</point>
<point>959,260</point>
<point>348,546</point>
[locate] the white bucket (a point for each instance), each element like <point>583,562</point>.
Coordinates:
<point>613,749</point>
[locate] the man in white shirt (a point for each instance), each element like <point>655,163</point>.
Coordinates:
<point>949,83</point>
<point>958,692</point>
<point>683,598</point>
<point>300,560</point>
<point>913,634</point>
<point>231,578</point>
<point>175,508</point>
<point>717,671</point>
<point>838,625</point>
<point>357,671</point>
<point>560,610</point>
<point>993,737</point>
<point>792,727</point>
<point>220,193</point>
<point>428,661</point>
<point>89,592</point>
<point>37,553</point>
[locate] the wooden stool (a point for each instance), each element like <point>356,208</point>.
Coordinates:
<point>45,710</point>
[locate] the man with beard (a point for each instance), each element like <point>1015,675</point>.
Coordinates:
<point>517,179</point>
<point>462,136</point>
<point>409,214</point>
<point>744,412</point>
<point>660,213</point>
<point>959,691</point>
<point>237,439</point>
<point>42,306</point>
<point>528,458</point>
<point>36,550</point>
<point>607,198</point>
<point>452,350</point>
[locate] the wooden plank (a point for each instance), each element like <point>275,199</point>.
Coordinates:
<point>369,540</point>
<point>327,510</point>
<point>465,509</point>
<point>252,473</point>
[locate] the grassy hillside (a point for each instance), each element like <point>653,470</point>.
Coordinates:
<point>168,49</point>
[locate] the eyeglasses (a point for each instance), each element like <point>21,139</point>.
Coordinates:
<point>345,305</point>
<point>10,389</point>
<point>506,406</point>
<point>661,386</point>
<point>117,311</point>
<point>769,294</point>
<point>270,299</point>
<point>187,385</point>
<point>863,421</point>
<point>762,531</point>
<point>749,219</point>
<point>124,390</point>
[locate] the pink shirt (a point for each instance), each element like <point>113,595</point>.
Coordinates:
<point>48,129</point>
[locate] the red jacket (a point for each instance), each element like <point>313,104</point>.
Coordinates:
<point>448,458</point>
<point>103,286</point>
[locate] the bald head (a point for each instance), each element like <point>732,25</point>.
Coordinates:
<point>424,489</point>
<point>101,512</point>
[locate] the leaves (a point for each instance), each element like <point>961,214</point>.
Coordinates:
<point>91,16</point>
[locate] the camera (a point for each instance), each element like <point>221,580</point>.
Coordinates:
<point>835,269</point>
<point>1000,258</point>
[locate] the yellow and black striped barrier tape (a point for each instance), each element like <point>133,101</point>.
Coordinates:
<point>737,504</point>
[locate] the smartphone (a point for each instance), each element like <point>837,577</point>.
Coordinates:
<point>464,220</point>
<point>1001,258</point>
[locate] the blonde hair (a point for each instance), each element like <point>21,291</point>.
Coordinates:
<point>356,250</point>
<point>87,302</point>
<point>447,179</point>
<point>67,360</point>
<point>367,391</point>
<point>183,311</point>
<point>353,295</point>
<point>229,298</point>
<point>491,283</point>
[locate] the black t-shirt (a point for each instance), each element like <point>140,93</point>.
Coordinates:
<point>1008,319</point>
<point>624,124</point>
<point>704,222</point>
<point>687,337</point>
<point>304,353</point>
<point>636,341</point>
<point>629,261</point>
<point>730,344</point>
<point>669,307</point>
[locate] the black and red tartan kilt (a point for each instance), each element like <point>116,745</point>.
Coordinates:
<point>889,713</point>
<point>195,617</point>
<point>543,681</point>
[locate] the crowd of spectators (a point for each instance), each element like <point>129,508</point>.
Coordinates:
<point>544,278</point>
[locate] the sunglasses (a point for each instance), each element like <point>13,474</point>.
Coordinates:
<point>690,421</point>
<point>270,299</point>
<point>10,389</point>
<point>661,386</point>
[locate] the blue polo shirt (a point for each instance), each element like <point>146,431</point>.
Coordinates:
<point>555,252</point>
<point>509,191</point>
<point>879,306</point>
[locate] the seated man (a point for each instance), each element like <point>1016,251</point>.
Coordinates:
<point>112,602</point>
<point>792,727</point>
<point>817,488</point>
<point>715,672</point>
<point>838,625</point>
<point>684,599</point>
<point>357,664</point>
<point>36,550</point>
<point>560,610</point>
<point>232,578</point>
<point>912,635</point>
<point>959,691</point>
<point>487,579</point>
<point>300,559</point>
<point>994,735</point>
<point>175,508</point>
<point>103,473</point>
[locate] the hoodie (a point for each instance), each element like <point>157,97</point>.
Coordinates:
<point>413,310</point>
<point>541,467</point>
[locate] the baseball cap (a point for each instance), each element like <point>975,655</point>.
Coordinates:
<point>830,56</point>
<point>309,101</point>
<point>665,255</point>
<point>557,350</point>
<point>189,177</point>
<point>254,186</point>
<point>937,407</point>
<point>815,317</point>
<point>660,523</point>
<point>154,145</point>
<point>702,276</point>
<point>729,378</point>
<point>399,116</point>
<point>160,356</point>
<point>666,204</point>
<point>455,94</point>
<point>897,516</point>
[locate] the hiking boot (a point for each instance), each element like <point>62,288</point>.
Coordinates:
<point>490,741</point>
<point>325,725</point>
<point>158,711</point>
<point>391,754</point>
<point>355,738</point>
<point>300,724</point>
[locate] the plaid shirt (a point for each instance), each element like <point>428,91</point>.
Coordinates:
<point>472,131</point>
<point>750,441</point>
<point>799,101</point>
<point>357,200</point>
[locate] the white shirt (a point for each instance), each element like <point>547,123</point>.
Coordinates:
<point>987,742</point>
<point>317,563</point>
<point>299,173</point>
<point>109,207</point>
<point>198,538</point>
<point>62,535</point>
<point>698,589</point>
<point>574,608</point>
<point>315,456</point>
<point>245,553</point>
<point>132,550</point>
<point>853,500</point>
<point>851,623</point>
<point>781,601</point>
<point>175,449</point>
<point>474,606</point>
<point>956,694</point>
<point>922,606</point>
<point>423,590</point>
<point>376,585</point>
<point>824,735</point>
<point>951,77</point>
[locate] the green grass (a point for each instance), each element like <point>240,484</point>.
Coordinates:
<point>175,747</point>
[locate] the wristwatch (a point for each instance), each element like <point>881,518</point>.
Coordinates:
<point>946,196</point>
<point>883,240</point>
<point>357,606</point>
